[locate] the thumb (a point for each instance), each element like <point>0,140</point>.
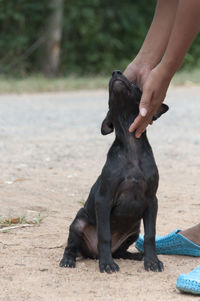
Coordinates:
<point>144,104</point>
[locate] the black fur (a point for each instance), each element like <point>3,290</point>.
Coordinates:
<point>124,193</point>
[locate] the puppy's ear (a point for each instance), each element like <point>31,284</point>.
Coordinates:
<point>161,110</point>
<point>107,126</point>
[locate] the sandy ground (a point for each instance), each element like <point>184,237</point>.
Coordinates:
<point>51,153</point>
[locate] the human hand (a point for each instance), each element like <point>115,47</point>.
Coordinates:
<point>137,72</point>
<point>154,92</point>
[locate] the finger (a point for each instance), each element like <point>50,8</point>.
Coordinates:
<point>142,127</point>
<point>136,123</point>
<point>143,109</point>
<point>140,121</point>
<point>140,130</point>
<point>145,102</point>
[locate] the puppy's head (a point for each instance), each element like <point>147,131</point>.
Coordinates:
<point>124,100</point>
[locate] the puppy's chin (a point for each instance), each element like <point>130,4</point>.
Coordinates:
<point>118,87</point>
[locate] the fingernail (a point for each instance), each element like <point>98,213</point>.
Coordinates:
<point>143,112</point>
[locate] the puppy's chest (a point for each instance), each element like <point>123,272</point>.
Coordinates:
<point>134,176</point>
<point>139,172</point>
<point>137,184</point>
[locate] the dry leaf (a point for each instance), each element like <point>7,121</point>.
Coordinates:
<point>15,220</point>
<point>20,179</point>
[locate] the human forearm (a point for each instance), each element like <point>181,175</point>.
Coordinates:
<point>186,27</point>
<point>156,82</point>
<point>155,43</point>
<point>157,37</point>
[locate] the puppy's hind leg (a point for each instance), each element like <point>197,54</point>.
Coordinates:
<point>124,254</point>
<point>128,255</point>
<point>74,240</point>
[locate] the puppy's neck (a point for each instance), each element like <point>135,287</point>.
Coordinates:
<point>126,137</point>
<point>128,140</point>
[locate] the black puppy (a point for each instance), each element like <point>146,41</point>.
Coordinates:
<point>123,194</point>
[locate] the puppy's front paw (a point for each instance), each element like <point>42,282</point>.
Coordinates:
<point>108,267</point>
<point>153,264</point>
<point>68,262</point>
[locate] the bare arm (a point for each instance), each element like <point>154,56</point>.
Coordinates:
<point>185,28</point>
<point>155,43</point>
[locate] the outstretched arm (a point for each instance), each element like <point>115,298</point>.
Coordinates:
<point>185,28</point>
<point>155,43</point>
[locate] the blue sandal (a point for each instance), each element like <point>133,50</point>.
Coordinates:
<point>190,282</point>
<point>171,244</point>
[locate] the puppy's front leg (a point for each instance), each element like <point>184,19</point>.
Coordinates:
<point>74,240</point>
<point>103,208</point>
<point>151,261</point>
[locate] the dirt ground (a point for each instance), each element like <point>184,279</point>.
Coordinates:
<point>51,153</point>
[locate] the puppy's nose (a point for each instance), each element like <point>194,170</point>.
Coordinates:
<point>116,73</point>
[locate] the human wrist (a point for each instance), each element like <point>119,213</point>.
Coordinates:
<point>167,69</point>
<point>171,65</point>
<point>145,60</point>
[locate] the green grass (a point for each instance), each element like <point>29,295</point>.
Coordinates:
<point>12,221</point>
<point>38,83</point>
<point>82,202</point>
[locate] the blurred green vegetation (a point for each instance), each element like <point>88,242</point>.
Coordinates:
<point>97,35</point>
<point>102,35</point>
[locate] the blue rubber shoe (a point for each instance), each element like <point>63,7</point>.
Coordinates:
<point>190,282</point>
<point>171,244</point>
